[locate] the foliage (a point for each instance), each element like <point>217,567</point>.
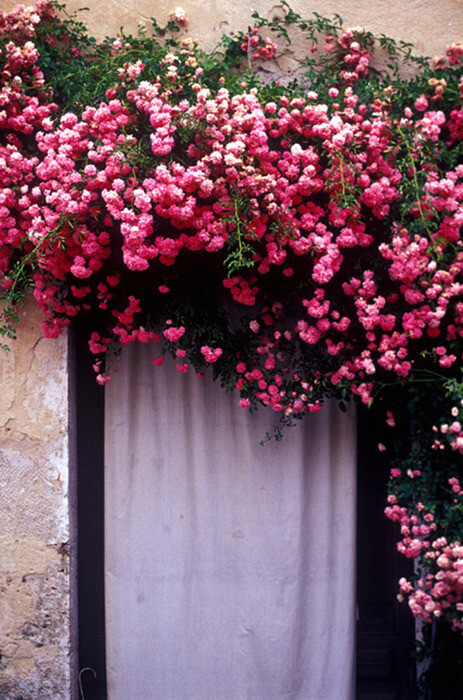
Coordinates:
<point>426,499</point>
<point>304,240</point>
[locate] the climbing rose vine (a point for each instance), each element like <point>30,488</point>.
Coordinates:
<point>302,240</point>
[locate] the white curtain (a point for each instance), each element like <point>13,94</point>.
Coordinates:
<point>229,565</point>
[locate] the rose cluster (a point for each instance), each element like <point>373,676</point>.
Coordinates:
<point>437,590</point>
<point>301,242</point>
<point>302,195</point>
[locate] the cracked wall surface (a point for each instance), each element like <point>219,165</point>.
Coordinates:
<point>34,516</point>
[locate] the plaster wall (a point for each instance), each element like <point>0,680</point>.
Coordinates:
<point>429,24</point>
<point>35,615</point>
<point>35,461</point>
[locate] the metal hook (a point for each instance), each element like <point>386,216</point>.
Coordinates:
<point>87,668</point>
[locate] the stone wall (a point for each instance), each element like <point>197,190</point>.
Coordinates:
<point>35,619</point>
<point>35,460</point>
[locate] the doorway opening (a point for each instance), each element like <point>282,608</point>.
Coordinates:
<point>385,629</point>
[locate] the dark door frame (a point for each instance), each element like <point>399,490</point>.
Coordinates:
<point>385,628</point>
<point>89,438</point>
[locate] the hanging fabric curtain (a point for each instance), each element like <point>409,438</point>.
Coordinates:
<point>230,566</point>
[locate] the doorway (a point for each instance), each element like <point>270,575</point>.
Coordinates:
<point>384,629</point>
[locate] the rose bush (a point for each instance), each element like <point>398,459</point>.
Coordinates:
<point>304,241</point>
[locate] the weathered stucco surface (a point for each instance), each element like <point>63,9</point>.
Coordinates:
<point>34,412</point>
<point>428,24</point>
<point>34,516</point>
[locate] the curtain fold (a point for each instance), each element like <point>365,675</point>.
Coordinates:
<point>229,565</point>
